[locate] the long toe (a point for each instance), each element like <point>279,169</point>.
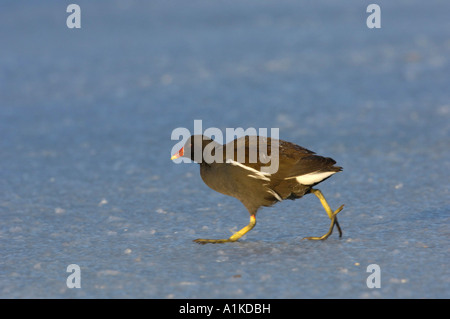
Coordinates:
<point>211,241</point>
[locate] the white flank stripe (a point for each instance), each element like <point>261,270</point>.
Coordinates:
<point>254,173</point>
<point>312,178</point>
<point>275,194</point>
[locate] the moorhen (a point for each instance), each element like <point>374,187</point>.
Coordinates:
<point>233,169</point>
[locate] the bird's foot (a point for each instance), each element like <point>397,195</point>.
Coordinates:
<point>330,231</point>
<point>212,241</point>
<point>234,237</point>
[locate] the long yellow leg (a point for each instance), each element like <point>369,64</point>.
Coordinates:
<point>233,237</point>
<point>330,213</point>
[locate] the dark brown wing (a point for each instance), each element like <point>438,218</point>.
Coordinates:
<point>293,161</point>
<point>255,151</point>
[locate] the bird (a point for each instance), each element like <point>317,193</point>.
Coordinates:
<point>233,169</point>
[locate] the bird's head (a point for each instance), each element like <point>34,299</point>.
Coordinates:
<point>193,148</point>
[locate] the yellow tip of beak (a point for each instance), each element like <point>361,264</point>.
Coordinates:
<point>179,154</point>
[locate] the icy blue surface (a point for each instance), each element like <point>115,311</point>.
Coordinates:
<point>86,118</point>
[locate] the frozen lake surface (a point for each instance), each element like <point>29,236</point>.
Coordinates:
<point>86,117</point>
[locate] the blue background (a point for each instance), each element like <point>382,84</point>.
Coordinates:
<point>86,117</point>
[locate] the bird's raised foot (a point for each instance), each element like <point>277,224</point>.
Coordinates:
<point>330,231</point>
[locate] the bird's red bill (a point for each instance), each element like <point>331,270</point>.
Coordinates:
<point>179,154</point>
